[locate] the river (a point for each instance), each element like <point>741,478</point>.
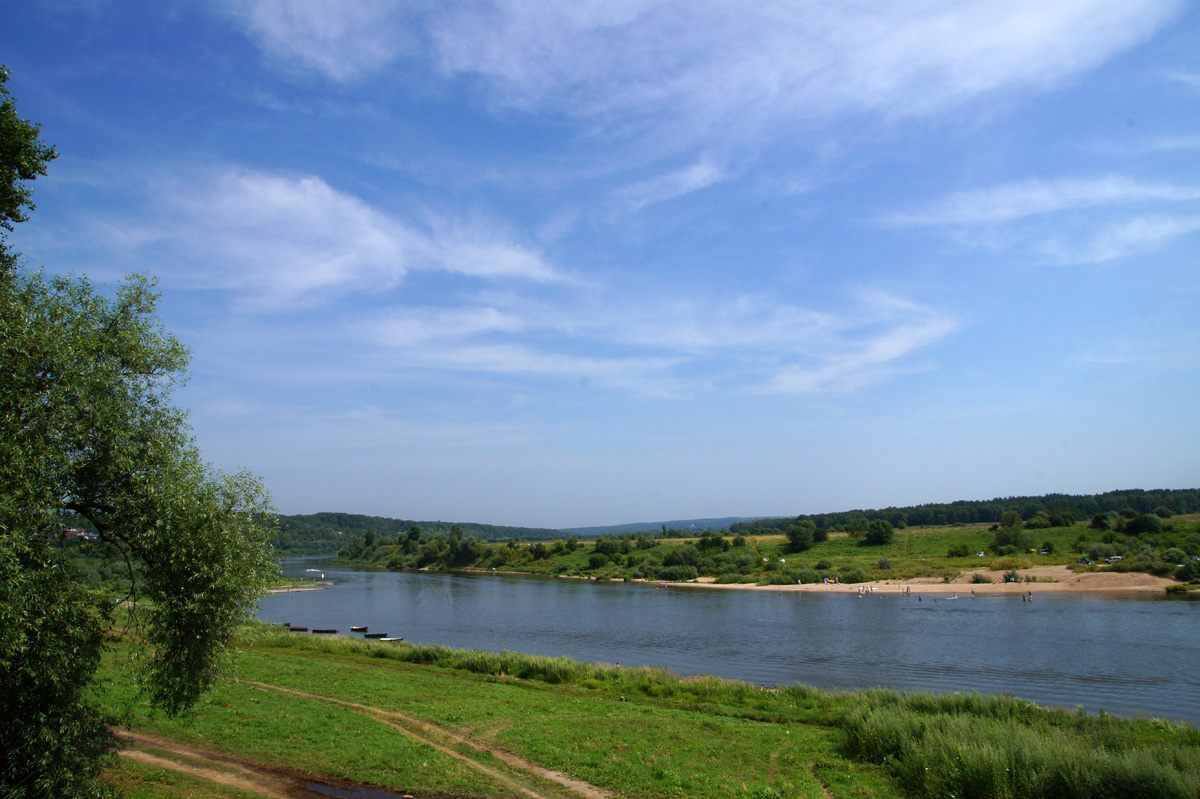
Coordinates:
<point>1128,655</point>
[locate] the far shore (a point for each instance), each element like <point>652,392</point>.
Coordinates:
<point>1039,579</point>
<point>287,589</point>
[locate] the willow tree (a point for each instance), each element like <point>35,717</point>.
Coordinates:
<point>87,425</point>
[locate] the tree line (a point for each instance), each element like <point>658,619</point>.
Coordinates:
<point>1077,507</point>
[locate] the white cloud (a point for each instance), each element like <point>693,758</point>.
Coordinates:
<point>1124,238</point>
<point>340,40</point>
<point>700,175</point>
<point>1065,221</point>
<point>278,240</point>
<point>752,343</point>
<point>867,354</point>
<point>719,67</point>
<point>1026,198</point>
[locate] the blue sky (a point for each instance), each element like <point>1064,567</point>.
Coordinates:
<point>560,264</point>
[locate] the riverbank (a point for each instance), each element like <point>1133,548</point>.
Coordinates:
<point>434,721</point>
<point>1038,579</point>
<point>289,589</point>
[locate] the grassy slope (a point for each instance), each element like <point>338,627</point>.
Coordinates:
<point>672,738</point>
<point>915,552</point>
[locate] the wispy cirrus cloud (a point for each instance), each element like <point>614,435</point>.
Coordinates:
<point>726,69</point>
<point>279,240</point>
<point>343,41</point>
<point>1065,220</point>
<point>700,175</point>
<point>744,344</point>
<point>1026,198</point>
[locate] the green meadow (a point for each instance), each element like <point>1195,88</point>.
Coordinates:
<point>437,722</point>
<point>849,555</point>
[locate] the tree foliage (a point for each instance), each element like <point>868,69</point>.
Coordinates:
<point>87,425</point>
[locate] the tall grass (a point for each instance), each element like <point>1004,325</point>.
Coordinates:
<point>974,747</point>
<point>968,746</point>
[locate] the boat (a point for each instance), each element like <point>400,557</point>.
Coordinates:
<point>362,629</point>
<point>391,639</point>
<point>312,570</point>
<point>374,635</point>
<point>298,629</point>
<point>324,632</point>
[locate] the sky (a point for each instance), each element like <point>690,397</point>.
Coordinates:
<point>606,261</point>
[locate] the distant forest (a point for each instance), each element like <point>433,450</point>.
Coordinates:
<point>987,511</point>
<point>326,533</point>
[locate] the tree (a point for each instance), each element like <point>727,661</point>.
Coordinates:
<point>86,425</point>
<point>880,532</point>
<point>801,535</point>
<point>23,157</point>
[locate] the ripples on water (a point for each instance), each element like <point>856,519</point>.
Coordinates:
<point>1127,655</point>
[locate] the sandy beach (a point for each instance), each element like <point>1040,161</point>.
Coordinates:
<point>1043,579</point>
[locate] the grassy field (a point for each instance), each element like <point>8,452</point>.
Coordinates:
<point>937,552</point>
<point>436,722</point>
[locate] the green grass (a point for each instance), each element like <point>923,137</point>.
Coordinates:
<point>914,552</point>
<point>136,780</point>
<point>648,733</point>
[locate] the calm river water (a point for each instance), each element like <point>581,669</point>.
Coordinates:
<point>1129,656</point>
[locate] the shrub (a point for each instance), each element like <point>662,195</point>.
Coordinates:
<point>801,535</point>
<point>1012,576</point>
<point>824,565</point>
<point>1146,523</point>
<point>958,551</point>
<point>880,532</point>
<point>884,564</point>
<point>979,578</point>
<point>1188,571</point>
<point>853,574</point>
<point>684,556</point>
<point>677,573</point>
<point>597,561</point>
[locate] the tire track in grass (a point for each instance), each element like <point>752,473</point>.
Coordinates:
<point>425,732</point>
<point>222,769</point>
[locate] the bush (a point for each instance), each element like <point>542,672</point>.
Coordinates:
<point>981,578</point>
<point>684,556</point>
<point>1000,564</point>
<point>1146,523</point>
<point>880,532</point>
<point>884,564</point>
<point>678,573</point>
<point>597,561</point>
<point>1101,522</point>
<point>1188,571</point>
<point>824,565</point>
<point>801,535</point>
<point>853,574</point>
<point>958,551</point>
